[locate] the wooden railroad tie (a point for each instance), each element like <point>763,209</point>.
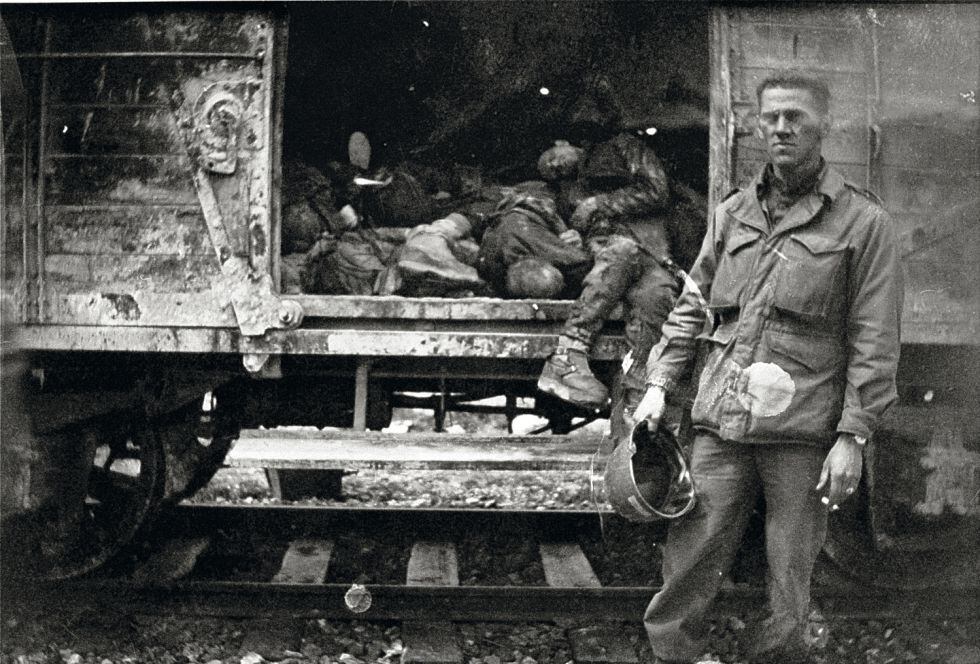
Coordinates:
<point>565,566</point>
<point>431,564</point>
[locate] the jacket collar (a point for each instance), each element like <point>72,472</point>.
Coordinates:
<point>748,208</point>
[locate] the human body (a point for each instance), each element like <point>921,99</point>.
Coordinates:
<point>799,274</point>
<point>616,196</point>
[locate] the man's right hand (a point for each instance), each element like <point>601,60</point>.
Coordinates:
<point>651,407</point>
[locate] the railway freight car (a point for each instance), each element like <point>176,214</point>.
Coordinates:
<point>149,313</point>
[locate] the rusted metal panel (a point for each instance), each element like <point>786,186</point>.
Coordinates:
<point>436,308</point>
<point>113,305</point>
<point>144,230</point>
<point>925,473</point>
<point>929,155</point>
<point>473,343</point>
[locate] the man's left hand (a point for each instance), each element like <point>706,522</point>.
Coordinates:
<point>841,471</point>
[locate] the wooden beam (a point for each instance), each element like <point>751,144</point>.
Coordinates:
<point>354,450</point>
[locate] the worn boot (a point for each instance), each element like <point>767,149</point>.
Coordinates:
<point>427,255</point>
<point>567,376</point>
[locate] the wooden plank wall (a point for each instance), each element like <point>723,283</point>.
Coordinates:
<point>929,163</point>
<point>829,42</point>
<point>125,242</point>
<point>907,72</point>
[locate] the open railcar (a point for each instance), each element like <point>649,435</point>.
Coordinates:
<point>142,214</point>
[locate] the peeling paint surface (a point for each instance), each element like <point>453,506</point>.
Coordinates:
<point>124,304</point>
<point>952,477</point>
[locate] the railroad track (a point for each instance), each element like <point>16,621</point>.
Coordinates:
<point>425,567</point>
<point>276,562</point>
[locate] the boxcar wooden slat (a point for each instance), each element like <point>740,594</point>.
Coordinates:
<point>131,307</point>
<point>129,80</point>
<point>173,273</point>
<point>119,81</point>
<point>160,31</point>
<point>829,49</point>
<point>907,189</point>
<point>815,16</point>
<point>116,131</point>
<point>144,230</point>
<point>75,181</point>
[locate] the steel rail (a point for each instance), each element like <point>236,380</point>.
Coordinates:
<point>466,603</point>
<point>204,597</point>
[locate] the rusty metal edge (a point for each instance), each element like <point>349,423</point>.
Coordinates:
<point>349,341</point>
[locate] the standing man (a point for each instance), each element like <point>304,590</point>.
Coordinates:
<point>800,277</point>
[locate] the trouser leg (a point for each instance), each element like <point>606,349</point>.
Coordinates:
<point>616,269</point>
<point>566,373</point>
<point>796,524</point>
<point>701,546</point>
<point>647,304</point>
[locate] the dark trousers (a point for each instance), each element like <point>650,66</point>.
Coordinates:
<point>623,273</point>
<point>701,546</point>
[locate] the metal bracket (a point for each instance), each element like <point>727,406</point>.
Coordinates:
<point>210,135</point>
<point>218,116</point>
<point>263,365</point>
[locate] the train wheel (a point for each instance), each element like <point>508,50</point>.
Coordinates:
<point>122,473</point>
<point>195,443</point>
<point>851,548</point>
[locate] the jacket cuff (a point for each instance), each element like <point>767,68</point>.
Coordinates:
<point>857,424</point>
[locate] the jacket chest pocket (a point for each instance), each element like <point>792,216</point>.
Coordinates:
<point>734,268</point>
<point>812,277</point>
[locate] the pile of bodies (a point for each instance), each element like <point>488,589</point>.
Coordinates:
<point>416,231</point>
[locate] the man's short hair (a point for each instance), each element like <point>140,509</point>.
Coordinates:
<point>800,80</point>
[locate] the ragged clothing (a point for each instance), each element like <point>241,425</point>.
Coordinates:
<point>619,188</point>
<point>801,328</point>
<point>525,225</point>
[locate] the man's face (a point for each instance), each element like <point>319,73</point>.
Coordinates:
<point>792,126</point>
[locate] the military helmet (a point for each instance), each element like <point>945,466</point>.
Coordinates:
<point>534,278</point>
<point>647,478</point>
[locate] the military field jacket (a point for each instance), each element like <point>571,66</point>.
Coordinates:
<point>798,328</point>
